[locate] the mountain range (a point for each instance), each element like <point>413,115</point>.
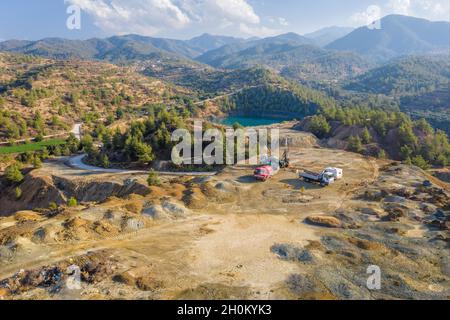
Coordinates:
<point>327,35</point>
<point>128,47</point>
<point>397,36</point>
<point>302,62</point>
<point>393,61</point>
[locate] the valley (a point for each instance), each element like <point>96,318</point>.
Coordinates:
<point>93,205</point>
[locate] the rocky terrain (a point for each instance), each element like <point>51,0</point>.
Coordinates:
<point>228,236</point>
<point>442,174</point>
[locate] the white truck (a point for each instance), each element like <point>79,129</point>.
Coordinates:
<point>325,178</point>
<point>337,172</point>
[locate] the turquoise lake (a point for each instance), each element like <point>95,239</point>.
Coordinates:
<point>250,121</point>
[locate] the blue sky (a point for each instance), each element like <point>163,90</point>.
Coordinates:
<point>25,19</point>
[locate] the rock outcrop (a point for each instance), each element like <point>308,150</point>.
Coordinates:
<point>324,221</point>
<point>38,191</point>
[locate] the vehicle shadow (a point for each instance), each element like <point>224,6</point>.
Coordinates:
<point>298,184</point>
<point>247,179</point>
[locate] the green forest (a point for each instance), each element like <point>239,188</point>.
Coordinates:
<point>395,134</point>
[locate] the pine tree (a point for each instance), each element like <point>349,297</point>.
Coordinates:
<point>420,162</point>
<point>13,174</point>
<point>319,126</point>
<point>53,206</point>
<point>72,202</point>
<point>153,179</point>
<point>105,161</point>
<point>37,163</point>
<point>382,154</point>
<point>18,193</point>
<point>365,136</point>
<point>355,144</point>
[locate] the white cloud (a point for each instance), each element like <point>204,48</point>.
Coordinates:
<point>283,22</point>
<point>257,31</point>
<point>134,16</point>
<point>151,17</point>
<point>429,9</point>
<point>279,20</point>
<point>371,14</point>
<point>399,6</point>
<point>232,10</point>
<point>434,8</point>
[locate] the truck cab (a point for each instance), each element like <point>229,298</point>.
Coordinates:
<point>338,173</point>
<point>327,178</point>
<point>263,173</point>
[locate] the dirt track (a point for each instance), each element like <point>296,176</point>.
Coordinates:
<point>227,243</point>
<point>224,244</point>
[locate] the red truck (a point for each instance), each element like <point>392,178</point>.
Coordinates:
<point>264,173</point>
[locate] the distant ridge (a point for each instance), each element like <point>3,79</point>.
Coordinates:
<point>325,36</point>
<point>399,35</point>
<point>127,47</point>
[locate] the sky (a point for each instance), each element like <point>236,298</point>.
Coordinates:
<point>184,19</point>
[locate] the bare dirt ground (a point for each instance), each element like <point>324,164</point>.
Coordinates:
<point>228,236</point>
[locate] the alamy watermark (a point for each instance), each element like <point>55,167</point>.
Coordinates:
<point>240,146</point>
<point>73,21</point>
<point>373,17</point>
<point>73,281</point>
<point>374,280</point>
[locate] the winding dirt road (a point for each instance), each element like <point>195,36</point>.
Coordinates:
<point>76,162</point>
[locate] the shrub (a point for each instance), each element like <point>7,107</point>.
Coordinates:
<point>13,174</point>
<point>406,152</point>
<point>366,137</point>
<point>37,163</point>
<point>355,144</point>
<point>105,161</point>
<point>442,160</point>
<point>153,179</point>
<point>57,151</point>
<point>72,143</point>
<point>72,202</point>
<point>87,142</point>
<point>18,193</point>
<point>408,161</point>
<point>53,206</point>
<point>420,162</point>
<point>381,154</point>
<point>39,137</point>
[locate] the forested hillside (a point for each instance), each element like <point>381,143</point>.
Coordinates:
<point>209,82</point>
<point>382,134</point>
<point>420,86</point>
<point>41,97</point>
<point>283,100</point>
<point>299,62</point>
<point>406,76</point>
